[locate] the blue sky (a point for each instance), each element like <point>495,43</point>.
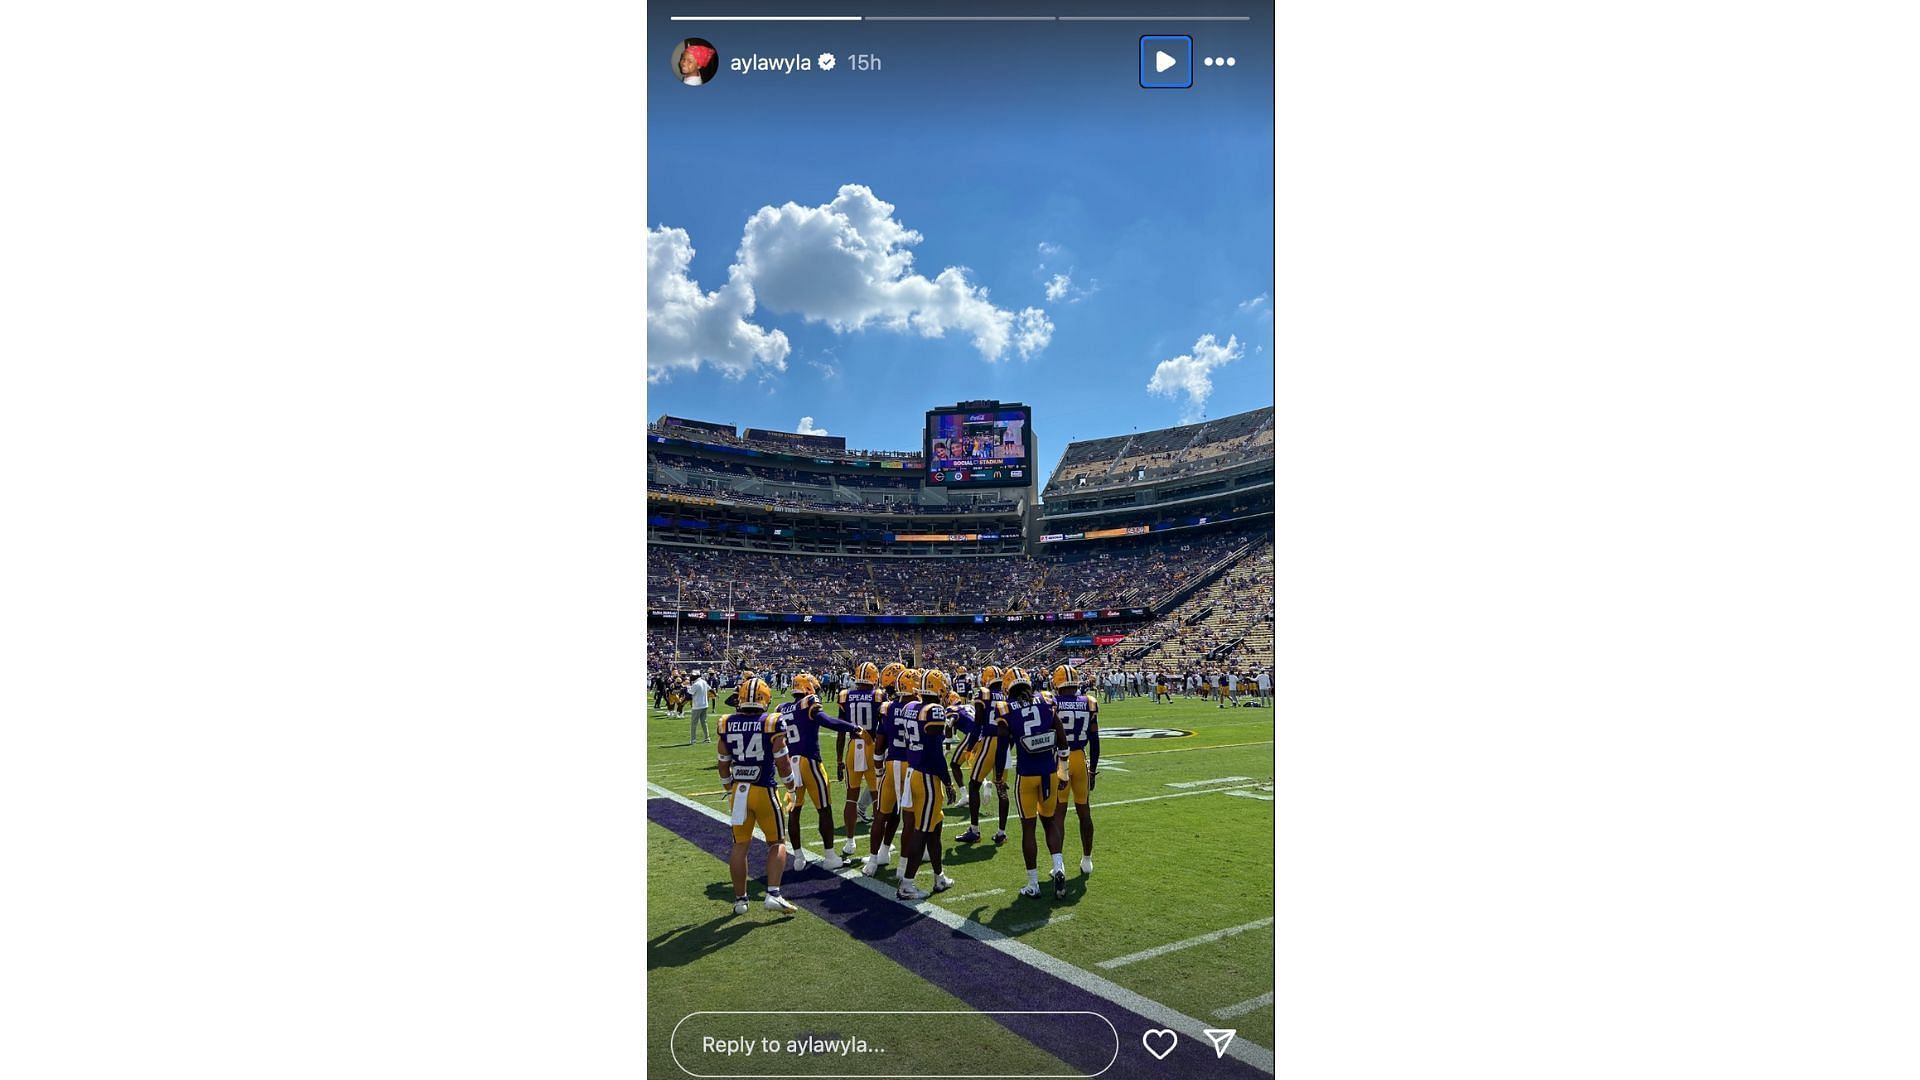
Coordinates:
<point>1077,236</point>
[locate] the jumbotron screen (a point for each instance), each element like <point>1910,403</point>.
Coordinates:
<point>983,447</point>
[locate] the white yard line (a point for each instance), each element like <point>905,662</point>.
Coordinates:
<point>1244,1007</point>
<point>1021,928</point>
<point>974,895</point>
<point>1162,950</point>
<point>1215,780</point>
<point>1175,795</point>
<point>1250,1052</point>
<point>1190,749</point>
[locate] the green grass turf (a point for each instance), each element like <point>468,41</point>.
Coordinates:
<point>1165,870</point>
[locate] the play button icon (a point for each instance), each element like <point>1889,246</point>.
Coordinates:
<point>1166,61</point>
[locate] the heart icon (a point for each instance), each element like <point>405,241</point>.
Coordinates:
<point>1161,1035</point>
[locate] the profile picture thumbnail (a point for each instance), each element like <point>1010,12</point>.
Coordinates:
<point>696,60</point>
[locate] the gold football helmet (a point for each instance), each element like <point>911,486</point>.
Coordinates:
<point>907,683</point>
<point>989,676</point>
<point>1066,675</point>
<point>805,683</point>
<point>866,673</point>
<point>890,674</point>
<point>755,693</point>
<point>1014,676</point>
<point>934,681</point>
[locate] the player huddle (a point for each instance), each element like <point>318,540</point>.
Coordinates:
<point>893,732</point>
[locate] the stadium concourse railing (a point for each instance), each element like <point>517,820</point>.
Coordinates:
<point>1155,610</point>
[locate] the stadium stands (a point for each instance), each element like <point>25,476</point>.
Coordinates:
<point>811,530</point>
<point>1166,453</point>
<point>778,501</point>
<point>1230,620</point>
<point>725,435</point>
<point>1089,577</point>
<point>837,648</point>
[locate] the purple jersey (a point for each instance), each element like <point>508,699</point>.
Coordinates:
<point>1034,740</point>
<point>748,738</point>
<point>961,719</point>
<point>801,721</point>
<point>1076,718</point>
<point>914,736</point>
<point>861,708</point>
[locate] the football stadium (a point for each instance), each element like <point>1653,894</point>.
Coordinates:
<point>1087,662</point>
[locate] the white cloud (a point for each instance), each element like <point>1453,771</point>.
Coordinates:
<point>827,368</point>
<point>1048,248</point>
<point>1062,287</point>
<point>1255,304</point>
<point>847,264</point>
<point>806,427</point>
<point>1191,374</point>
<point>1032,332</point>
<point>687,327</point>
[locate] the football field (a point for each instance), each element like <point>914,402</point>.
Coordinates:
<point>1173,928</point>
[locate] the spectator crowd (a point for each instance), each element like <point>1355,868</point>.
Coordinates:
<point>1131,573</point>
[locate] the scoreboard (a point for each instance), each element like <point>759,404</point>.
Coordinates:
<point>980,444</point>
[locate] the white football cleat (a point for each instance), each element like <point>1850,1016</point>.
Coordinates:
<point>886,855</point>
<point>740,906</point>
<point>796,861</point>
<point>778,903</point>
<point>941,883</point>
<point>1086,864</point>
<point>833,861</point>
<point>847,848</point>
<point>1030,890</point>
<point>907,891</point>
<point>869,865</point>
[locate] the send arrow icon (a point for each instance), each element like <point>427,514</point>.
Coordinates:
<point>1161,62</point>
<point>1221,1037</point>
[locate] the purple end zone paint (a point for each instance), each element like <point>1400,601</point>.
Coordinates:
<point>978,975</point>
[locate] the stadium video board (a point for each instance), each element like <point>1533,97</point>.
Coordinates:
<point>989,446</point>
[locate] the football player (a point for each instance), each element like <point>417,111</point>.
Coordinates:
<point>893,762</point>
<point>1033,727</point>
<point>960,714</point>
<point>753,757</point>
<point>854,750</point>
<point>963,693</point>
<point>990,755</point>
<point>1080,724</point>
<point>920,734</point>
<point>801,720</point>
<point>883,828</point>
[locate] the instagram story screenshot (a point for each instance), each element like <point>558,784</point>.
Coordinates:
<point>960,539</point>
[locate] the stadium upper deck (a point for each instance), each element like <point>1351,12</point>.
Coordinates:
<point>712,486</point>
<point>1164,454</point>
